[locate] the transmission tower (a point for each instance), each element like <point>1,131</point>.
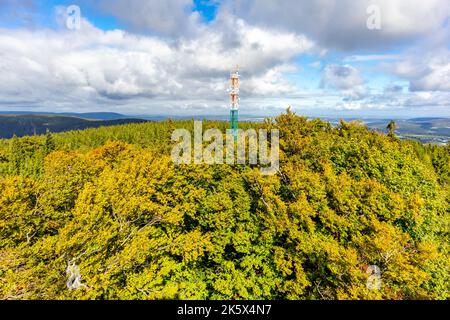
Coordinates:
<point>234,96</point>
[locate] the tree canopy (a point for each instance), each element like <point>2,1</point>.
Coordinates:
<point>111,202</point>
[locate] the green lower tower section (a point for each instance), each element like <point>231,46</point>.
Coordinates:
<point>234,122</point>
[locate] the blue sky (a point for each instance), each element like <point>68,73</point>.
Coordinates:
<point>208,9</point>
<point>174,57</point>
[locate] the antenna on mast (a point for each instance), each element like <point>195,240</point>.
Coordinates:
<point>234,101</point>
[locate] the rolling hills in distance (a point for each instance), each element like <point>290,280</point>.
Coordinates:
<point>86,115</point>
<point>25,125</point>
<point>22,123</point>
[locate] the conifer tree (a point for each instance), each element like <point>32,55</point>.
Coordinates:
<point>392,126</point>
<point>49,144</point>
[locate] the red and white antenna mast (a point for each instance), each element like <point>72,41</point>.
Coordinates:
<point>234,100</point>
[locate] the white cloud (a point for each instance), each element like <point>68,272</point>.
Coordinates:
<point>426,71</point>
<point>316,64</point>
<point>342,23</point>
<point>371,57</point>
<point>271,83</point>
<point>177,63</point>
<point>342,77</point>
<point>428,99</point>
<point>75,69</point>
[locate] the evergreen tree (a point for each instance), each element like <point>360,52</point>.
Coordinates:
<point>391,127</point>
<point>49,144</point>
<point>15,155</point>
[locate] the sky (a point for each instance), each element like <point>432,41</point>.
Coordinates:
<point>329,58</point>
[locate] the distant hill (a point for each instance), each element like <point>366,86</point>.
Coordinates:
<point>87,115</point>
<point>23,125</point>
<point>426,129</point>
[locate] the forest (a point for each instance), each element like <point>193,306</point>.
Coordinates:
<point>26,125</point>
<point>104,214</point>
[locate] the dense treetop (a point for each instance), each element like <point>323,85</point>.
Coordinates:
<point>110,202</point>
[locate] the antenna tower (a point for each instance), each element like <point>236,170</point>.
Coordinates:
<point>234,97</point>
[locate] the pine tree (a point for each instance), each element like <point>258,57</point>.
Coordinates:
<point>392,126</point>
<point>15,155</point>
<point>49,145</point>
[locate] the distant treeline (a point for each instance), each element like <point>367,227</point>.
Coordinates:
<point>26,125</point>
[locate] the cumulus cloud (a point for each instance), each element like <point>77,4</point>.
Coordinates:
<point>271,83</point>
<point>342,77</point>
<point>91,67</point>
<point>342,24</point>
<point>348,81</point>
<point>171,61</point>
<point>338,24</point>
<point>394,98</point>
<point>426,71</point>
<point>428,99</point>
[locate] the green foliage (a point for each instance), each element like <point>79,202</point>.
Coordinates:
<point>110,201</point>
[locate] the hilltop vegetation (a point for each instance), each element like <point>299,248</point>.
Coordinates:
<point>110,202</point>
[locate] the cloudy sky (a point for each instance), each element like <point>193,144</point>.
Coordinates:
<point>336,58</point>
